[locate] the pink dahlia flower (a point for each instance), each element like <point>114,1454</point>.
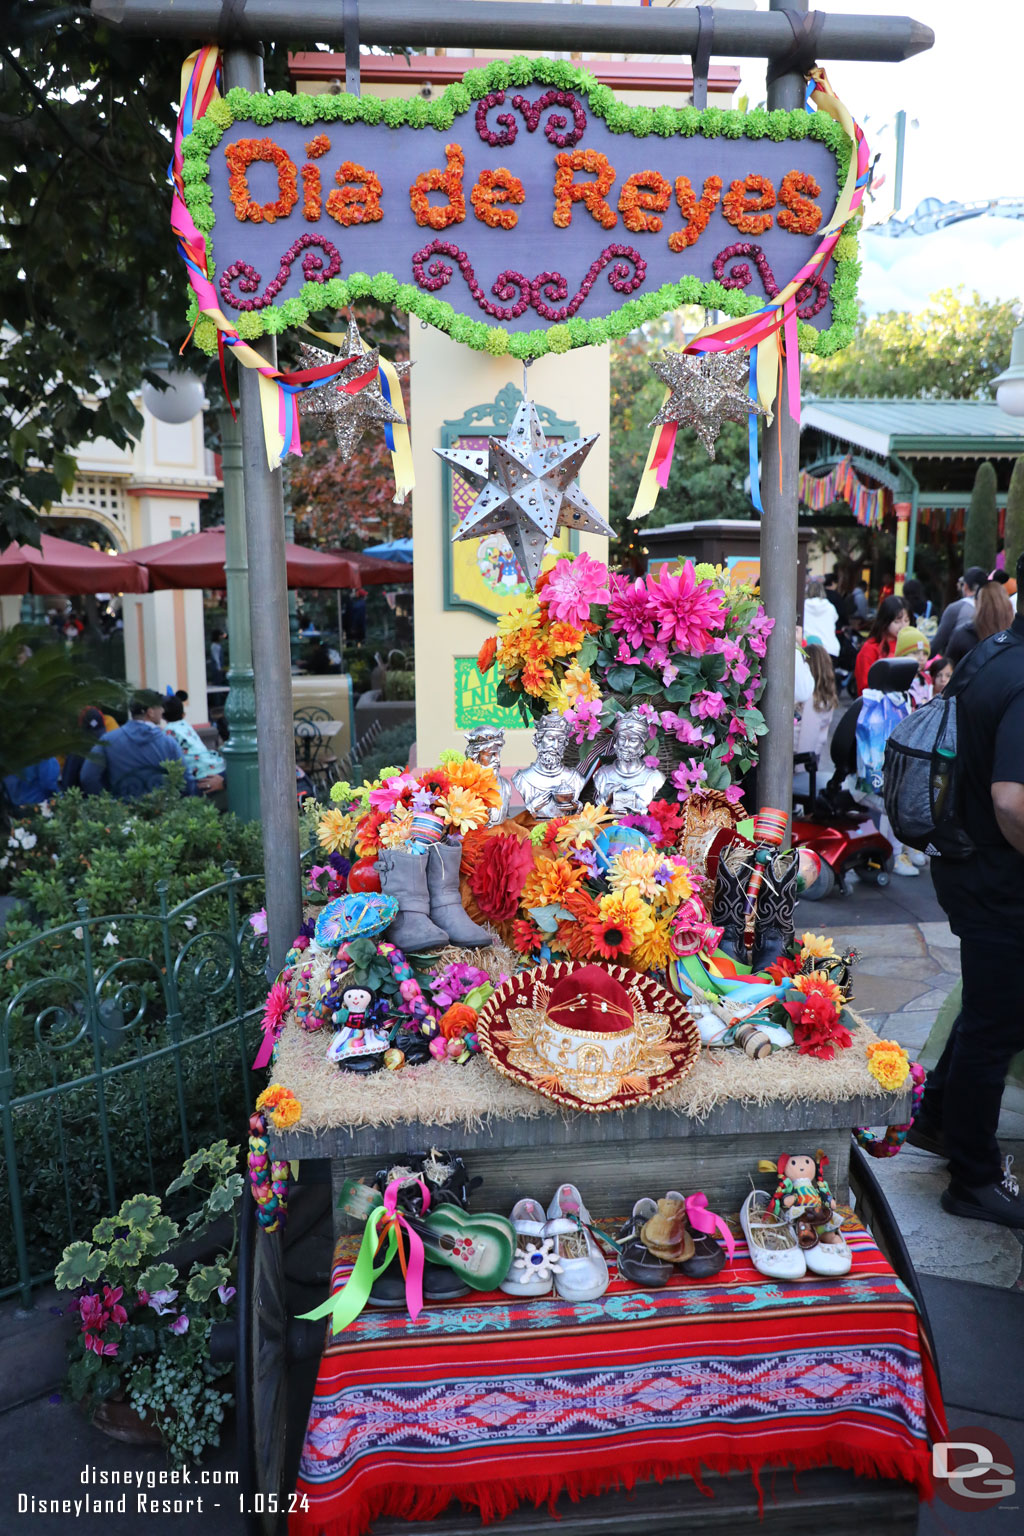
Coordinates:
<point>572,586</point>
<point>277,1005</point>
<point>686,610</point>
<point>629,611</point>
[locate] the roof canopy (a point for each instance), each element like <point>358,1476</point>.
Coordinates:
<point>943,429</point>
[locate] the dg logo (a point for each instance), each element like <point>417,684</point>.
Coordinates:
<point>973,1470</point>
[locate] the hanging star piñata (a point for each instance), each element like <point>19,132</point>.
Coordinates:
<point>347,414</point>
<point>708,389</point>
<point>527,489</point>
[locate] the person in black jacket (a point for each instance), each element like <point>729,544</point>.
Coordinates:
<point>983,897</point>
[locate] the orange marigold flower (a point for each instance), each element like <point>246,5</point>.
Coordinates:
<point>239,156</point>
<point>591,194</point>
<point>480,781</point>
<point>745,203</point>
<point>448,181</point>
<point>551,882</point>
<point>486,654</point>
<point>696,213</point>
<point>801,217</point>
<point>564,638</point>
<point>644,195</point>
<point>536,677</point>
<point>492,189</point>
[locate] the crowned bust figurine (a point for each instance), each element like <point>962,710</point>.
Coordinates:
<point>627,786</point>
<point>484,746</point>
<point>547,786</point>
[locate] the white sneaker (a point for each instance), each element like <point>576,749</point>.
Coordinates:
<point>774,1250</point>
<point>902,865</point>
<point>916,857</point>
<point>536,1256</point>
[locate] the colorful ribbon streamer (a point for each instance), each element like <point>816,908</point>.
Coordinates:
<point>201,78</point>
<point>385,1229</point>
<point>869,506</point>
<point>396,434</point>
<point>771,333</point>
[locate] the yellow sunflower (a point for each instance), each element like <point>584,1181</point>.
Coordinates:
<point>511,626</point>
<point>462,809</point>
<point>654,950</point>
<point>336,831</point>
<point>636,868</point>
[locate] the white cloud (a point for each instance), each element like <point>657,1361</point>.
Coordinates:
<point>986,254</point>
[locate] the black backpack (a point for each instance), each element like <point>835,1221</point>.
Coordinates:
<point>922,779</point>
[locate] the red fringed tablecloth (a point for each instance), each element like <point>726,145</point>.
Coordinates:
<point>494,1401</point>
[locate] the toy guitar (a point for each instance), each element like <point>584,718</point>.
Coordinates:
<point>479,1247</point>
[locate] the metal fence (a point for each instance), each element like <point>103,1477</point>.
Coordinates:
<point>125,1043</point>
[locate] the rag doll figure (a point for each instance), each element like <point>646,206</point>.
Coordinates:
<point>357,1037</point>
<point>802,1196</point>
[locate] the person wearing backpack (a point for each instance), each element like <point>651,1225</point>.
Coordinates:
<point>982,895</point>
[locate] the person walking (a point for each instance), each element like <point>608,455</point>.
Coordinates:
<point>889,620</point>
<point>962,609</point>
<point>993,611</point>
<point>820,618</point>
<point>983,898</point>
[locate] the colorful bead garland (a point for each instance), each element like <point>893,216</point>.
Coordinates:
<point>268,1178</point>
<point>894,1135</point>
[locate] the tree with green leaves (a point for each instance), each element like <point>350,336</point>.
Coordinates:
<point>1014,533</point>
<point>43,686</point>
<point>698,488</point>
<point>981,527</point>
<point>950,350</point>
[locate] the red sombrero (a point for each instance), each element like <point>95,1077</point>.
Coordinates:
<point>593,1037</point>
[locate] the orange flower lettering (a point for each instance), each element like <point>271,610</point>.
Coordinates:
<point>695,213</point>
<point>745,202</point>
<point>591,194</point>
<point>358,201</point>
<point>801,217</point>
<point>448,181</point>
<point>311,205</point>
<point>644,195</point>
<point>239,157</point>
<point>493,188</point>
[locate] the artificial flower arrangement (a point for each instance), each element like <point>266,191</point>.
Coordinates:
<point>402,808</point>
<point>816,982</point>
<point>145,1327</point>
<point>587,887</point>
<point>684,646</point>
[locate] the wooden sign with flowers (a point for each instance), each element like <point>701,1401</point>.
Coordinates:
<point>525,210</point>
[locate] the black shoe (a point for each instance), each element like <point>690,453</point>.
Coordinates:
<point>999,1202</point>
<point>708,1257</point>
<point>927,1137</point>
<point>636,1262</point>
<point>439,1284</point>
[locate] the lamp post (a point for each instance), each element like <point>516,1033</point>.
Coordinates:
<point>241,759</point>
<point>1009,386</point>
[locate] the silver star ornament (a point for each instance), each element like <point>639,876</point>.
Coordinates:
<point>527,489</point>
<point>708,389</point>
<point>348,416</point>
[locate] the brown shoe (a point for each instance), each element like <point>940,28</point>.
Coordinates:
<point>666,1234</point>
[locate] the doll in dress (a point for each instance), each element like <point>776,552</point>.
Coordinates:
<point>802,1196</point>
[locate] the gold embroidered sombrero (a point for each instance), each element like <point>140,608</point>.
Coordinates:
<point>594,1037</point>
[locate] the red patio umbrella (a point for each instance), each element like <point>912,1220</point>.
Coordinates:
<point>375,572</point>
<point>61,568</point>
<point>196,560</point>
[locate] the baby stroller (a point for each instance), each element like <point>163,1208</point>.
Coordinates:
<point>831,822</point>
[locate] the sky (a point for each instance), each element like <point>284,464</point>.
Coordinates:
<point>967,95</point>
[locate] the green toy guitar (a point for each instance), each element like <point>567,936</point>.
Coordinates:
<point>478,1246</point>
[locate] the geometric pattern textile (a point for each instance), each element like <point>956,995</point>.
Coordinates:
<point>494,1400</point>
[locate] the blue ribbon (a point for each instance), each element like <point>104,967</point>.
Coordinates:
<point>385,389</point>
<point>755,469</point>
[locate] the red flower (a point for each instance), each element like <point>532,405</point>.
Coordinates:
<point>669,816</point>
<point>526,936</point>
<point>499,874</point>
<point>485,655</point>
<point>816,1027</point>
<point>781,970</point>
<point>609,940</point>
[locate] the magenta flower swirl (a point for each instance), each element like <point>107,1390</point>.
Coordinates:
<point>545,292</point>
<point>313,270</point>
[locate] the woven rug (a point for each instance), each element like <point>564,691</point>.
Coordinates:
<point>494,1401</point>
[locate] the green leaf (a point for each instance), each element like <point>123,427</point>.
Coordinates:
<point>679,692</point>
<point>587,653</point>
<point>161,1234</point>
<point>221,1199</point>
<point>158,1277</point>
<point>138,1211</point>
<point>79,1264</point>
<point>548,918</point>
<point>205,1280</point>
<point>620,679</point>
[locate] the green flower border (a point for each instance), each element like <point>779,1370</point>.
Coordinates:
<point>712,122</point>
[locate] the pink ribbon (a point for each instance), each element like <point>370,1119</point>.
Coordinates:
<point>413,1267</point>
<point>662,461</point>
<point>266,1050</point>
<point>703,1220</point>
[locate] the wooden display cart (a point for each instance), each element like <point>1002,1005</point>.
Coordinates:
<point>614,1158</point>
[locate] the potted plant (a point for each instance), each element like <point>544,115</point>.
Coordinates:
<point>141,1361</point>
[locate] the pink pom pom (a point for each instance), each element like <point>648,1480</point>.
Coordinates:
<point>410,989</point>
<point>439,1048</point>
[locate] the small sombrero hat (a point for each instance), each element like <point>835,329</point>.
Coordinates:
<point>593,1037</point>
